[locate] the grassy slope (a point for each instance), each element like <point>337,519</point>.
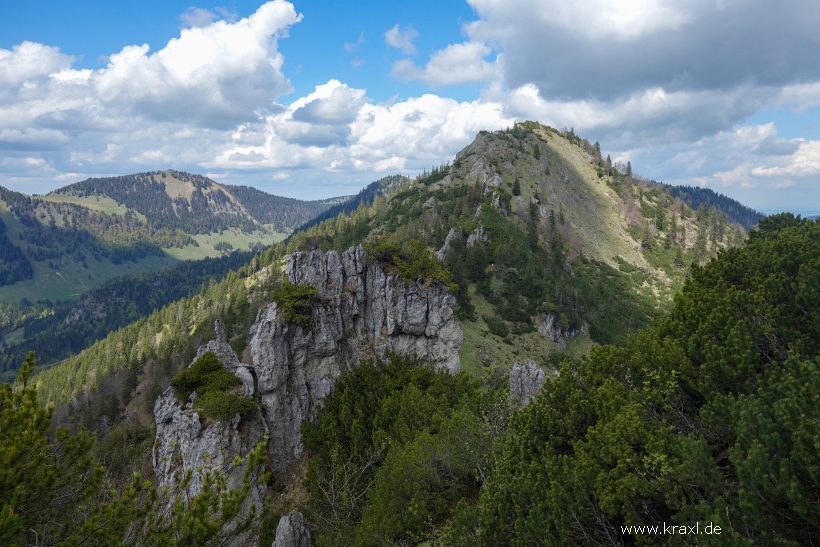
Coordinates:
<point>71,279</point>
<point>103,204</point>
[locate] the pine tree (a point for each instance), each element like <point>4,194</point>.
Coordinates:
<point>678,260</point>
<point>516,189</point>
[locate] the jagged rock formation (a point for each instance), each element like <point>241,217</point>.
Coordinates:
<point>361,312</point>
<point>184,443</point>
<point>291,531</point>
<point>442,253</point>
<point>525,382</point>
<point>477,236</point>
<point>553,331</point>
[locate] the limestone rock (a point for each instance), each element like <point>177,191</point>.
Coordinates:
<point>525,382</point>
<point>478,235</point>
<point>442,253</point>
<point>551,330</point>
<point>362,312</point>
<point>291,531</point>
<point>184,443</point>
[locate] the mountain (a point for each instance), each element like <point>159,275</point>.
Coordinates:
<point>365,197</point>
<point>552,249</point>
<point>735,212</point>
<point>57,330</point>
<point>59,245</point>
<point>282,214</point>
<point>529,248</point>
<point>196,204</point>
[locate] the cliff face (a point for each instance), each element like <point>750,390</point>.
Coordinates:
<point>361,312</point>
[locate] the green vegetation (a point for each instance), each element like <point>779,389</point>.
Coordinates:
<point>411,260</point>
<point>171,200</point>
<point>395,446</point>
<point>294,300</point>
<point>54,491</point>
<point>58,330</point>
<point>282,214</point>
<point>14,266</point>
<point>211,382</point>
<point>700,418</point>
<point>164,341</point>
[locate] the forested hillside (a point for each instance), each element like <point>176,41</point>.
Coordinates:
<point>283,214</point>
<point>56,331</point>
<point>14,266</point>
<point>608,445</point>
<point>197,205</point>
<point>554,243</point>
<point>366,196</point>
<point>735,212</point>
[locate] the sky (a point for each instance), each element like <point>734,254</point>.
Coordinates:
<point>313,99</point>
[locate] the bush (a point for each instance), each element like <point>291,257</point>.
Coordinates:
<point>294,300</point>
<point>206,374</point>
<point>410,258</point>
<point>211,381</point>
<point>496,326</point>
<point>223,405</point>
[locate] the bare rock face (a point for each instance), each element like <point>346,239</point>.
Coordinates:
<point>442,253</point>
<point>477,236</point>
<point>525,382</point>
<point>185,442</point>
<point>291,531</point>
<point>551,330</point>
<point>361,312</point>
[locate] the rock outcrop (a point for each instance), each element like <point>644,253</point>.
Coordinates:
<point>553,331</point>
<point>442,253</point>
<point>525,382</point>
<point>362,312</point>
<point>291,531</point>
<point>477,236</point>
<point>185,442</point>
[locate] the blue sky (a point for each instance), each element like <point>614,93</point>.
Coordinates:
<point>315,98</point>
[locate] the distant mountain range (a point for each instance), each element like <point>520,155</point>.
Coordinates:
<point>197,204</point>
<point>62,244</point>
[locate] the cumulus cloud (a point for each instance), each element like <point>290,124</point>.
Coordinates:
<point>455,64</point>
<point>402,40</point>
<point>213,76</point>
<point>335,129</point>
<point>609,48</point>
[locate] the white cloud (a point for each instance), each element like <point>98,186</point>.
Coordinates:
<point>455,64</point>
<point>198,17</point>
<point>402,40</point>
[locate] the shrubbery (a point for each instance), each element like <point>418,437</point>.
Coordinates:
<point>410,258</point>
<point>396,446</point>
<point>707,416</point>
<point>294,300</point>
<point>211,381</point>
